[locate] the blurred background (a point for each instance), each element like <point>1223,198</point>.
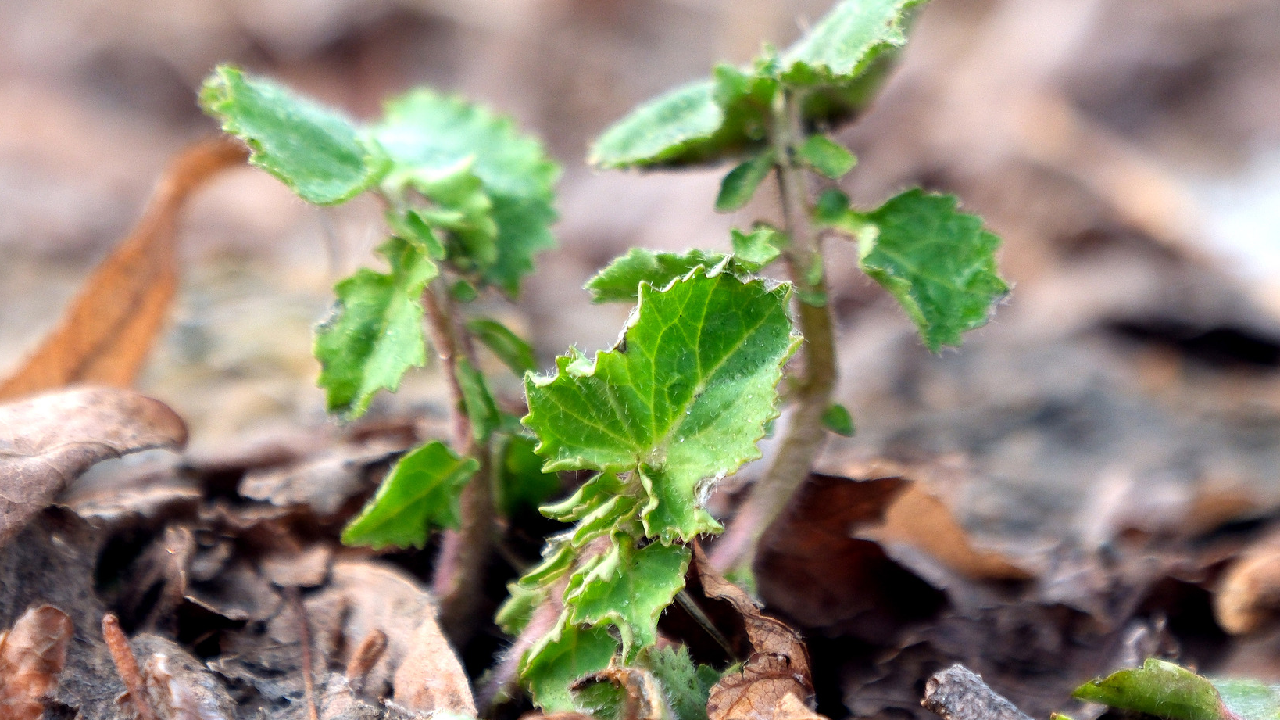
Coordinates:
<point>1128,151</point>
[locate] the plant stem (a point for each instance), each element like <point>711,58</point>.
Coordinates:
<point>459,573</point>
<point>812,387</point>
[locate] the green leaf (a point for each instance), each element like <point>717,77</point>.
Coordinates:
<point>837,419</point>
<point>586,498</point>
<point>419,493</point>
<point>846,41</point>
<point>521,481</point>
<point>1157,688</point>
<point>688,686</point>
<point>562,656</point>
<point>738,187</point>
<point>1249,699</point>
<point>682,400</point>
<point>759,247</point>
<point>514,352</point>
<point>425,130</point>
<point>375,333</point>
<point>939,263</point>
<point>827,156</point>
<point>620,280</point>
<point>462,207</point>
<point>477,400</point>
<point>313,149</point>
<point>628,589</point>
<point>516,611</point>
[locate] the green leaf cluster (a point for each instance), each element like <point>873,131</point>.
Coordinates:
<point>465,192</point>
<point>1165,690</point>
<point>680,402</point>
<point>835,66</point>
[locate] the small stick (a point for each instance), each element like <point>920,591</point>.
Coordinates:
<point>126,665</point>
<point>958,693</point>
<point>365,657</point>
<point>304,634</point>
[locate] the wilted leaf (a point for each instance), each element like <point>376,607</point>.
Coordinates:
<point>778,666</point>
<point>313,149</point>
<point>48,440</point>
<point>106,333</point>
<point>32,654</point>
<point>375,334</point>
<point>419,493</point>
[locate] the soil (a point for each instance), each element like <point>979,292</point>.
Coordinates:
<point>1092,479</point>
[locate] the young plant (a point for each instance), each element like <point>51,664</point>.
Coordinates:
<point>688,391</point>
<point>468,203</point>
<point>768,119</point>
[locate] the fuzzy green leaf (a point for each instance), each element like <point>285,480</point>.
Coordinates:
<point>837,419</point>
<point>688,686</point>
<point>313,149</point>
<point>738,187</point>
<point>759,247</point>
<point>827,156</point>
<point>521,481</point>
<point>683,400</point>
<point>561,657</point>
<point>514,352</point>
<point>846,41</point>
<point>1157,688</point>
<point>939,263</point>
<point>516,611</point>
<point>620,280</point>
<point>628,589</point>
<point>420,492</point>
<point>422,129</point>
<point>375,333</point>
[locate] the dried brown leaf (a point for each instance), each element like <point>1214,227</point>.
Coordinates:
<point>777,668</point>
<point>1248,598</point>
<point>106,333</point>
<point>32,655</point>
<point>179,686</point>
<point>47,441</point>
<point>430,678</point>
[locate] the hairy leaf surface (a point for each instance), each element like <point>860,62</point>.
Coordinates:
<point>683,400</point>
<point>620,280</point>
<point>939,263</point>
<point>422,129</point>
<point>846,41</point>
<point>375,334</point>
<point>420,493</point>
<point>629,588</point>
<point>313,149</point>
<point>563,656</point>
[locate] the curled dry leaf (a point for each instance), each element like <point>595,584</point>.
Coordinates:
<point>178,685</point>
<point>777,668</point>
<point>1248,598</point>
<point>32,655</point>
<point>106,333</point>
<point>48,440</point>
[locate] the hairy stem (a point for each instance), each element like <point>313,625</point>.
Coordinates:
<point>459,574</point>
<point>811,388</point>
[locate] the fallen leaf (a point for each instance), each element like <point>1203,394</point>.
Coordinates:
<point>48,440</point>
<point>812,569</point>
<point>178,685</point>
<point>777,668</point>
<point>1248,597</point>
<point>32,655</point>
<point>430,678</point>
<point>324,483</point>
<point>106,333</point>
